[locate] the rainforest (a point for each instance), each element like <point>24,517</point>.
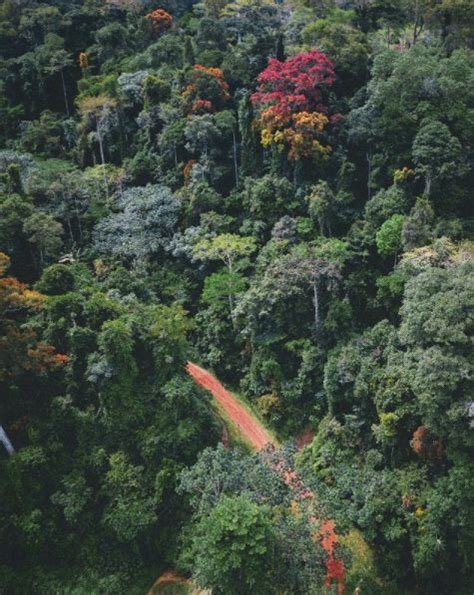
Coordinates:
<point>236,297</point>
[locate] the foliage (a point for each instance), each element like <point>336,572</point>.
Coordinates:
<point>290,97</point>
<point>20,351</point>
<point>143,225</point>
<point>233,547</point>
<point>207,90</point>
<point>279,191</point>
<point>160,20</point>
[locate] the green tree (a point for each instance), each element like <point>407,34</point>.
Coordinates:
<point>389,236</point>
<point>44,232</point>
<point>233,547</point>
<point>130,511</point>
<point>58,61</point>
<point>436,153</point>
<point>228,248</point>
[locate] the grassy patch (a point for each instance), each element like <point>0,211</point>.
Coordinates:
<point>250,407</point>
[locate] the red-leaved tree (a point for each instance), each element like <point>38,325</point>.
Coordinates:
<point>206,90</point>
<point>292,105</point>
<point>295,85</point>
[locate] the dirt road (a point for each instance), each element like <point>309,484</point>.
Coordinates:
<point>250,428</point>
<point>258,437</point>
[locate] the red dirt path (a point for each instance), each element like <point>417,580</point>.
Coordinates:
<point>250,428</point>
<point>258,437</point>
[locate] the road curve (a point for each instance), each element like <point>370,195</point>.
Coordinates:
<point>250,428</point>
<point>253,431</point>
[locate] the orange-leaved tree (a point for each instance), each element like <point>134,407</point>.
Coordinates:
<point>159,20</point>
<point>20,351</point>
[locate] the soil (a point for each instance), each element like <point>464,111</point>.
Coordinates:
<point>249,427</point>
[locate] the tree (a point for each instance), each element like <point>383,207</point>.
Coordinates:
<point>325,207</point>
<point>232,548</point>
<point>227,248</point>
<point>97,112</point>
<point>308,267</point>
<point>44,136</point>
<point>59,60</point>
<point>14,211</point>
<point>436,153</point>
<point>20,350</point>
<point>412,89</point>
<point>417,227</point>
<point>223,286</point>
<point>226,122</point>
<point>285,230</point>
<point>220,474</point>
<point>316,267</point>
<point>344,45</point>
<point>159,20</point>
<point>389,236</point>
<point>201,134</point>
<point>130,510</point>
<point>291,100</point>
<point>249,157</point>
<point>268,198</point>
<point>295,85</point>
<point>434,332</point>
<point>143,225</point>
<point>44,232</point>
<point>56,280</point>
<point>206,91</point>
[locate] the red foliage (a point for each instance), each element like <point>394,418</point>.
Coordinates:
<point>295,85</point>
<point>207,89</point>
<point>334,567</point>
<point>335,571</point>
<point>201,106</point>
<point>160,20</point>
<point>291,102</point>
<point>43,357</point>
<point>328,537</point>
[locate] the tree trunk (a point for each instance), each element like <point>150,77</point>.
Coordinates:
<point>231,297</point>
<point>317,320</point>
<point>79,225</point>
<point>102,156</point>
<point>428,181</point>
<point>369,176</point>
<point>61,72</point>
<point>234,155</point>
<point>6,441</point>
<point>71,235</point>
<point>231,308</point>
<point>418,24</point>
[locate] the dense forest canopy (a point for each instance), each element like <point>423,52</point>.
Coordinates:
<point>280,191</point>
